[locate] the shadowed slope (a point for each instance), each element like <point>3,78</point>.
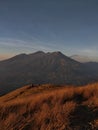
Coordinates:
<point>43,68</point>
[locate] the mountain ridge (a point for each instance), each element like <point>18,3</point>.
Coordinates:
<point>43,68</point>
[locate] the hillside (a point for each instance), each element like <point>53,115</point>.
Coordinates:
<point>43,68</point>
<point>48,107</point>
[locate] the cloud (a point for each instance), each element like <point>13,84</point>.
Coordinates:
<point>89,52</point>
<point>19,46</point>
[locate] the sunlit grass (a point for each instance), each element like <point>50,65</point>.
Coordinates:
<point>49,107</point>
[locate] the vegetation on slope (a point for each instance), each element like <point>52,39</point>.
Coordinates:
<point>49,107</point>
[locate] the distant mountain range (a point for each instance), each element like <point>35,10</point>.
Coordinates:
<point>83,59</point>
<point>43,68</point>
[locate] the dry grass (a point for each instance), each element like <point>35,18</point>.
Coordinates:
<point>49,107</point>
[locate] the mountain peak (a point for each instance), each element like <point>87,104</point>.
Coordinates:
<point>57,53</point>
<point>38,53</point>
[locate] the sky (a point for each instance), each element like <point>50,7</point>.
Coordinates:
<point>69,26</point>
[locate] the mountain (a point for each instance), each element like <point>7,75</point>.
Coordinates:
<point>48,107</point>
<point>92,66</point>
<point>80,58</point>
<point>42,68</point>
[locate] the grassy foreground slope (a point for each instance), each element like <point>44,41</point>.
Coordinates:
<point>48,107</point>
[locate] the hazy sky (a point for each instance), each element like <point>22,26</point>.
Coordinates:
<point>70,26</point>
